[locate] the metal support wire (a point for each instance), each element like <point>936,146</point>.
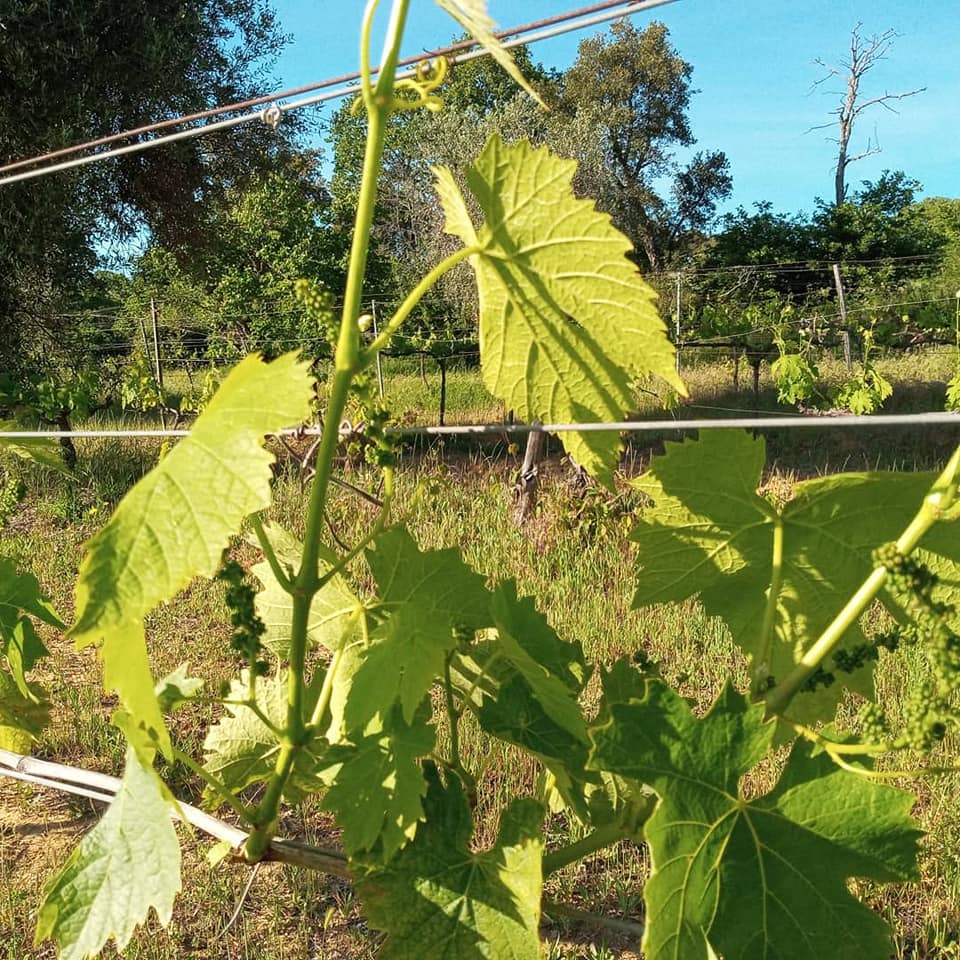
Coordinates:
<point>776,422</point>
<point>518,36</point>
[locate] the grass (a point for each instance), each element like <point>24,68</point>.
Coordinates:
<point>573,554</point>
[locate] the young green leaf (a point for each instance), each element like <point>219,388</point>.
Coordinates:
<point>554,671</point>
<point>427,595</point>
<point>566,322</point>
<point>241,749</point>
<point>45,453</point>
<point>377,784</point>
<point>126,865</point>
<point>177,688</point>
<point>718,540</point>
<point>753,878</point>
<point>437,900</point>
<point>473,17</point>
<point>175,523</point>
<point>20,592</point>
<point>23,714</point>
<point>23,649</point>
<point>333,613</point>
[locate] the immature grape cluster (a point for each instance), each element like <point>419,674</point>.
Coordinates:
<point>379,449</point>
<point>928,709</point>
<point>320,304</point>
<point>873,723</point>
<point>248,628</point>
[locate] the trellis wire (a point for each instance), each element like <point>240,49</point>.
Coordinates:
<point>781,422</point>
<point>275,111</point>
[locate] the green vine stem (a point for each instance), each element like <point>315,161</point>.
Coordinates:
<point>346,365</point>
<point>602,837</point>
<point>615,924</point>
<point>940,498</point>
<point>282,577</point>
<point>768,629</point>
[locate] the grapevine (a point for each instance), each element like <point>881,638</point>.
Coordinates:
<point>371,726</point>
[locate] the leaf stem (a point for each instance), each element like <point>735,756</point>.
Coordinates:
<point>413,298</point>
<point>326,691</point>
<point>840,749</point>
<point>616,924</point>
<point>453,718</point>
<point>281,576</point>
<point>216,785</point>
<point>941,496</point>
<point>761,668</point>
<point>602,837</point>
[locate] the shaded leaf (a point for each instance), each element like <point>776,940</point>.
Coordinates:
<point>753,878</point>
<point>333,613</point>
<point>437,900</point>
<point>177,688</point>
<point>377,786</point>
<point>21,592</point>
<point>427,596</point>
<point>23,714</point>
<point>45,453</point>
<point>241,749</point>
<point>716,540</point>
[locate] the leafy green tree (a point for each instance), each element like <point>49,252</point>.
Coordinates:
<point>86,68</point>
<point>625,100</point>
<point>237,294</point>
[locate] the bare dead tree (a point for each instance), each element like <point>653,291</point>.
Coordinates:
<point>865,53</point>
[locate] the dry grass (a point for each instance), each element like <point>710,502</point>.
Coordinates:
<point>573,555</point>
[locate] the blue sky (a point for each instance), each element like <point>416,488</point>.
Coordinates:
<point>754,65</point>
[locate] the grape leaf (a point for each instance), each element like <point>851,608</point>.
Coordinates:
<point>555,671</point>
<point>437,900</point>
<point>23,650</point>
<point>377,784</point>
<point>566,322</point>
<point>756,878</point>
<point>175,523</point>
<point>23,713</point>
<point>20,592</point>
<point>716,539</point>
<point>177,688</point>
<point>24,708</point>
<point>428,595</point>
<point>333,606</point>
<point>45,453</point>
<point>126,865</point>
<point>473,17</point>
<point>523,684</point>
<point>241,749</point>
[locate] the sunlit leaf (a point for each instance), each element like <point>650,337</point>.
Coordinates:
<point>128,864</point>
<point>566,322</point>
<point>175,523</point>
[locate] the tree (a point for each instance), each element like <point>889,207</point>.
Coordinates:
<point>879,222</point>
<point>625,103</point>
<point>865,53</point>
<point>82,69</point>
<point>237,293</point>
